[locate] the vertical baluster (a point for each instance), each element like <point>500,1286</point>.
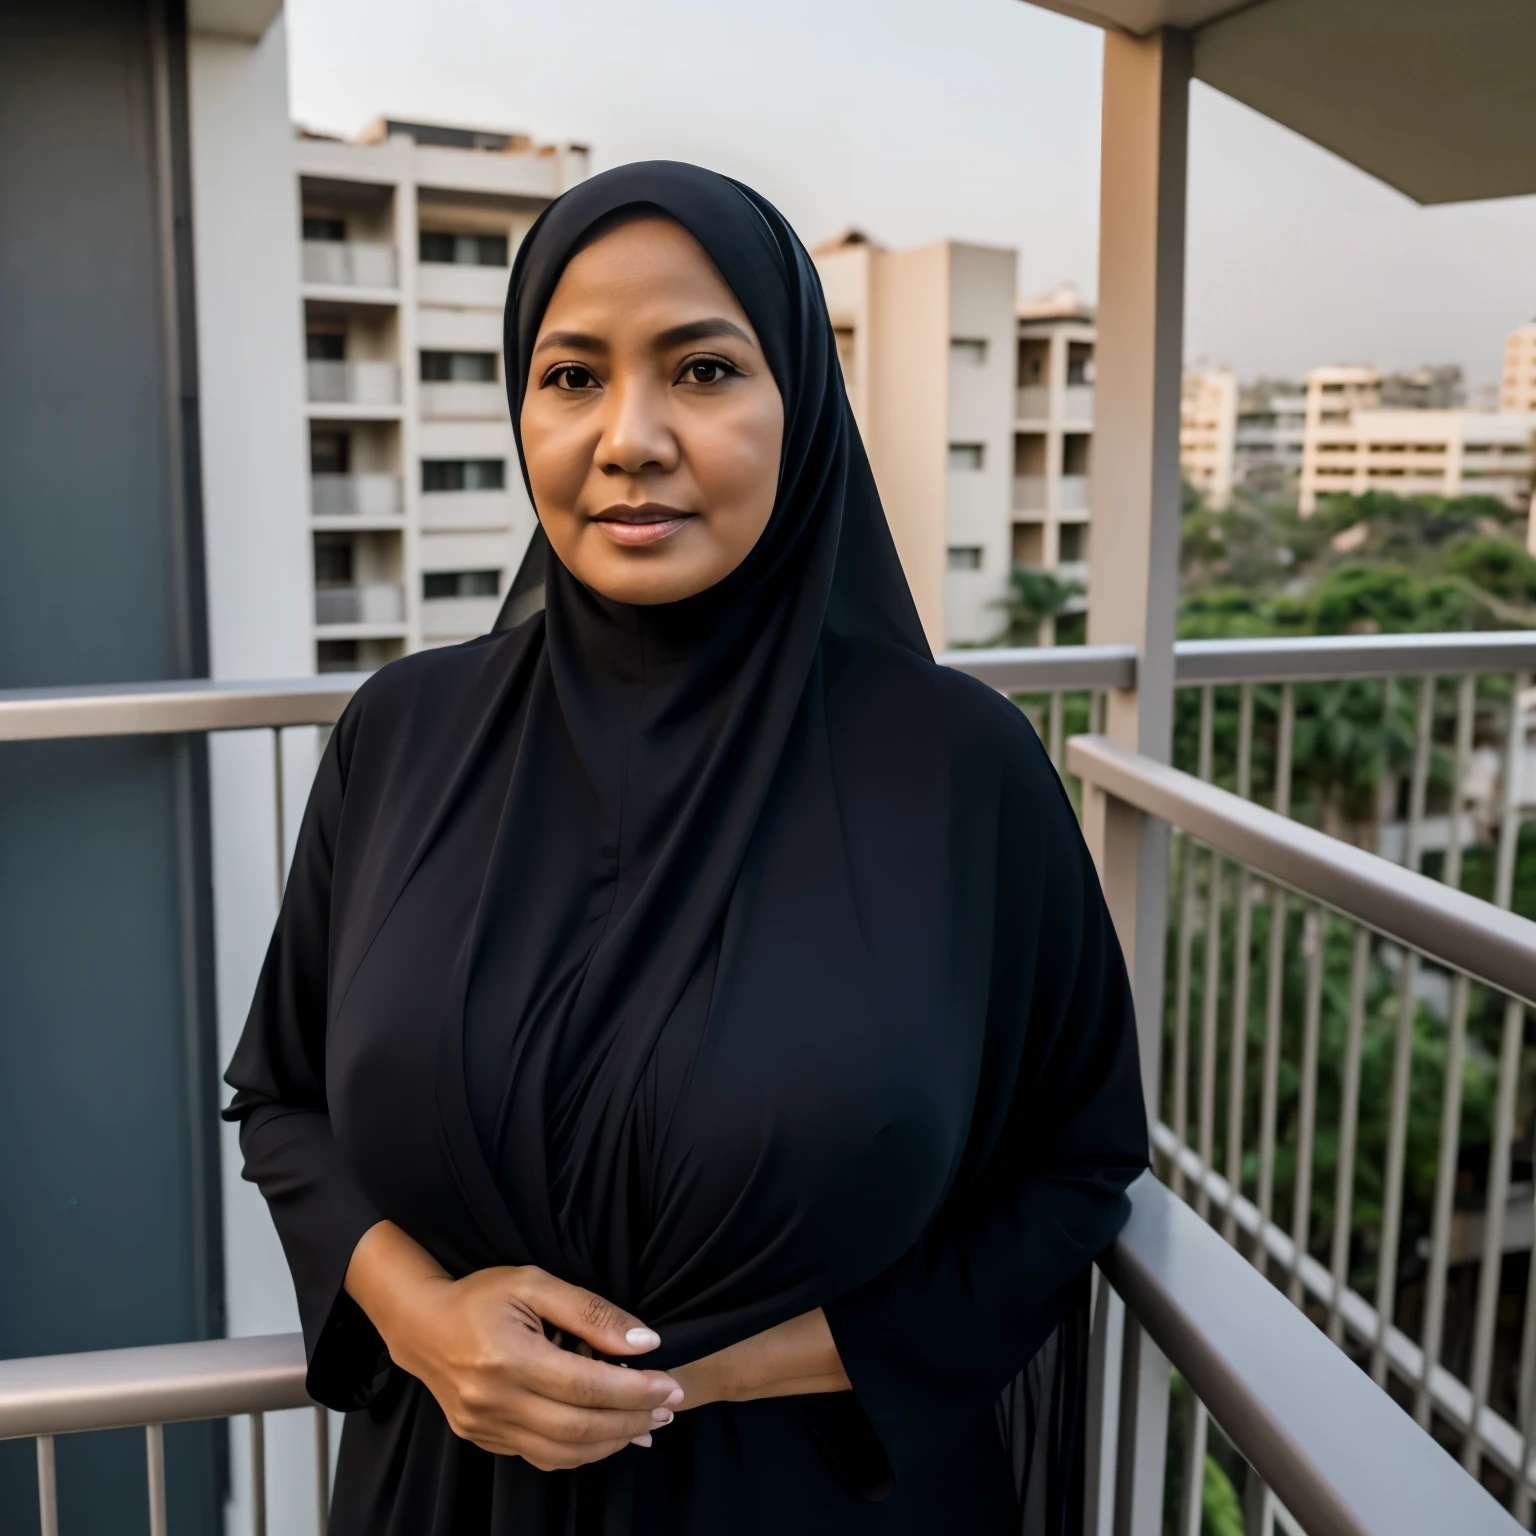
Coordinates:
<point>1397,1146</point>
<point>280,817</point>
<point>1207,1095</point>
<point>1418,787</point>
<point>1105,1382</point>
<point>47,1488</point>
<point>1445,1189</point>
<point>1314,941</point>
<point>1466,714</point>
<point>1208,1025</point>
<point>1143,1435</point>
<point>154,1454</point>
<point>258,1475</point>
<point>1055,728</point>
<point>1192,1495</point>
<point>1237,1049</point>
<point>1237,1054</point>
<point>322,1469</point>
<point>1521,1504</point>
<point>1491,1262</point>
<point>1274,987</point>
<point>1349,1121</point>
<point>1180,1086</point>
<point>1490,1265</point>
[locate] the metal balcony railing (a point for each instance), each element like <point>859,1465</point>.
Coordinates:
<point>354,495</point>
<point>1260,1073</point>
<point>350,264</point>
<point>1306,914</point>
<point>364,383</point>
<point>371,603</point>
<point>1317,1436</point>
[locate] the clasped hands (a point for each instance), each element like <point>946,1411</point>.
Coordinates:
<point>479,1346</point>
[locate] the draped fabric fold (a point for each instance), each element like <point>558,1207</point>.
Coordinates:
<point>727,957</point>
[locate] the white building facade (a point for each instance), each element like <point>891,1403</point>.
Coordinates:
<point>417,510</point>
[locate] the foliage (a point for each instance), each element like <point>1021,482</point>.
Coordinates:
<point>1221,1510</point>
<point>1034,595</point>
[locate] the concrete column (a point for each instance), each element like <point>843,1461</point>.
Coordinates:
<point>1135,470</point>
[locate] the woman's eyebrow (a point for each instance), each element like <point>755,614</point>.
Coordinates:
<point>702,330</point>
<point>576,341</point>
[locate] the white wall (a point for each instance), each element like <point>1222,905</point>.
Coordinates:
<point>250,365</point>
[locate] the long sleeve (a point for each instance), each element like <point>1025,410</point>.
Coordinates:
<point>286,1136</point>
<point>929,1344</point>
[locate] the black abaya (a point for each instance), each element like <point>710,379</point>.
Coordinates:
<point>731,959</point>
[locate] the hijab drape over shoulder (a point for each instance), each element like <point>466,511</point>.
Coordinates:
<point>727,957</point>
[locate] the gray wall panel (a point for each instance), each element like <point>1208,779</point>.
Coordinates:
<point>106,1092</point>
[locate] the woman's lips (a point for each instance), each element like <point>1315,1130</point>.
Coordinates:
<point>636,527</point>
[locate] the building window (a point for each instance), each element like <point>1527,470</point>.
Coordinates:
<point>972,351</point>
<point>338,656</point>
<point>1074,542</point>
<point>458,367</point>
<point>463,474</point>
<point>435,584</point>
<point>325,346</point>
<point>324,228</point>
<point>965,557</point>
<point>463,250</point>
<point>333,560</point>
<point>967,455</point>
<point>330,453</point>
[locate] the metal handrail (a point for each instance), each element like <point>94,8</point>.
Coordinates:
<point>127,709</point>
<point>1046,669</point>
<point>196,704</point>
<point>1460,931</point>
<point>1339,1453</point>
<point>154,1384</point>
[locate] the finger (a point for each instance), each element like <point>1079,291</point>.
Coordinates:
<point>556,1455</point>
<point>570,1378</point>
<point>582,1426</point>
<point>607,1328</point>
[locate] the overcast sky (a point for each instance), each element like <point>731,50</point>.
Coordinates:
<point>924,119</point>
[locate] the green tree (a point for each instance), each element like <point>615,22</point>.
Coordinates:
<point>1033,597</point>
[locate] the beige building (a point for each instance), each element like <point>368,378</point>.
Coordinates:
<point>1053,444</point>
<point>418,515</point>
<point>1208,434</point>
<point>926,339</point>
<point>1354,445</point>
<point>977,413</point>
<point>1517,389</point>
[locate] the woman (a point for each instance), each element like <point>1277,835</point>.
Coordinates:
<point>693,1069</point>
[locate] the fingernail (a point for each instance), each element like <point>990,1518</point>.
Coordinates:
<point>642,1338</point>
<point>673,1398</point>
<point>641,1440</point>
<point>660,1416</point>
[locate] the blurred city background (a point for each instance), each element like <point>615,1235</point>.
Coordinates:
<point>253,259</point>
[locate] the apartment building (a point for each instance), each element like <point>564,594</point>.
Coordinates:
<point>1517,388</point>
<point>1271,427</point>
<point>977,413</point>
<point>1355,444</point>
<point>417,511</point>
<point>1053,446</point>
<point>1208,434</point>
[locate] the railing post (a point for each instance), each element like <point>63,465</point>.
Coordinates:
<point>1143,1438</point>
<point>1135,472</point>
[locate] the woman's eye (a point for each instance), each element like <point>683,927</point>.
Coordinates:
<point>707,370</point>
<point>573,376</point>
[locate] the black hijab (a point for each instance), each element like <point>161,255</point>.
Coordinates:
<point>727,957</point>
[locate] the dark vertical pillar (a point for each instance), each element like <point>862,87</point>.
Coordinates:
<point>108,1172</point>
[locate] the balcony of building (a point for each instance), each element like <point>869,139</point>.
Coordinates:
<point>355,500</point>
<point>350,270</point>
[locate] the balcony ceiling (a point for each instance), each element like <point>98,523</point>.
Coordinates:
<point>244,19</point>
<point>1434,98</point>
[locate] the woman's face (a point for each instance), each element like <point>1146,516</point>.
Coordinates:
<point>651,426</point>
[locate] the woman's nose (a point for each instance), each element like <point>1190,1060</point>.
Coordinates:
<point>636,434</point>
